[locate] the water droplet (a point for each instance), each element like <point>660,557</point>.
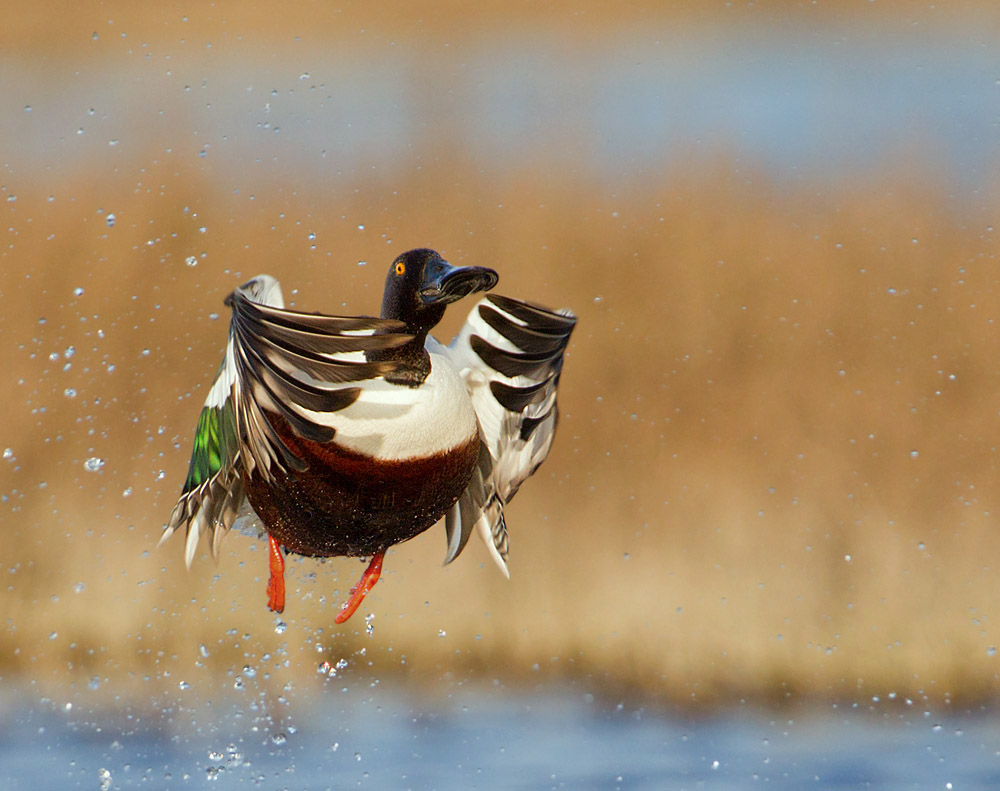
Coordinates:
<point>311,237</point>
<point>93,464</point>
<point>991,651</point>
<point>249,671</point>
<point>78,291</point>
<point>203,651</point>
<point>69,392</point>
<point>361,227</point>
<point>110,219</point>
<point>362,263</point>
<point>597,300</point>
<point>442,633</point>
<point>70,351</point>
<point>238,684</point>
<point>183,685</point>
<point>369,625</point>
<point>191,261</point>
<point>79,587</point>
<point>8,454</point>
<point>53,635</point>
<point>103,774</point>
<point>127,492</point>
<point>278,739</point>
<point>279,627</point>
<point>95,682</point>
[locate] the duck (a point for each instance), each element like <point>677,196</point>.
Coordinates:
<point>348,435</point>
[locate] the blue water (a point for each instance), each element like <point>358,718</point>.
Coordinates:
<point>486,739</point>
<point>799,100</point>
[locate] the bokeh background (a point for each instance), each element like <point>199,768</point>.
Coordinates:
<point>776,475</point>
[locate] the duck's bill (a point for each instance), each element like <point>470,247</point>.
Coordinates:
<point>446,283</point>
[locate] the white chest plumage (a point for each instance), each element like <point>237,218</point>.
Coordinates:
<point>397,422</point>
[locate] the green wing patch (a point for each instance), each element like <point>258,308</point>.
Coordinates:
<point>215,444</point>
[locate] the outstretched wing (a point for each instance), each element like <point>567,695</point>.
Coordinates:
<point>300,366</point>
<point>296,365</point>
<point>213,491</point>
<point>510,354</point>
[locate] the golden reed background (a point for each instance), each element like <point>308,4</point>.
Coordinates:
<point>776,473</point>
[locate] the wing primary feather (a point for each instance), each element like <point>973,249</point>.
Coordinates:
<point>453,532</point>
<point>313,340</point>
<point>322,368</point>
<point>321,321</point>
<point>517,399</point>
<point>536,316</point>
<point>462,518</point>
<point>511,364</point>
<point>529,339</point>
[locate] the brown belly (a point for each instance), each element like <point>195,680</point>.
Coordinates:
<point>350,504</point>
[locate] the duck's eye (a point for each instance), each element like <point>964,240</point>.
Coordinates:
<point>400,268</point>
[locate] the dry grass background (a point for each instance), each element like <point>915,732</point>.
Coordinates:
<point>776,474</point>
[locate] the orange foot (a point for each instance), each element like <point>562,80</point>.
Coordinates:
<point>359,591</point>
<point>276,582</point>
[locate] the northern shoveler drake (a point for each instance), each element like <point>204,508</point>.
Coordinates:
<point>350,434</point>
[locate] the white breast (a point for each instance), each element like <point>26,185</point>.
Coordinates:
<point>396,422</point>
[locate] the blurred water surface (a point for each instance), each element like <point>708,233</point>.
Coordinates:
<point>491,740</point>
<point>797,100</point>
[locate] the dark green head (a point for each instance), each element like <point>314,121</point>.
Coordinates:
<point>420,284</point>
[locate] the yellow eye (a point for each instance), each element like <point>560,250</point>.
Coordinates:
<point>400,268</point>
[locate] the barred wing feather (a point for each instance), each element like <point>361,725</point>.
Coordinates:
<point>510,353</point>
<point>280,361</point>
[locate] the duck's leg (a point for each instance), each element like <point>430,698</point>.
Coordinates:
<point>365,584</point>
<point>276,582</point>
